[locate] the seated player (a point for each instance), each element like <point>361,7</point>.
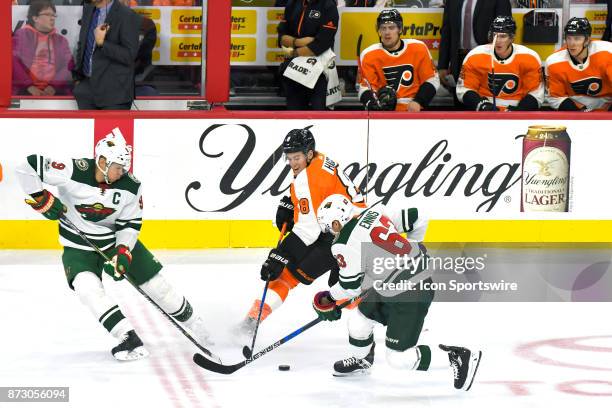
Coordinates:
<point>579,76</point>
<point>396,74</point>
<point>501,76</point>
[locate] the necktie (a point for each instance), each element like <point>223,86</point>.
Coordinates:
<point>90,45</point>
<point>467,25</point>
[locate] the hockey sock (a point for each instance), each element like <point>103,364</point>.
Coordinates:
<point>361,347</point>
<point>414,358</point>
<point>91,293</point>
<point>265,312</point>
<point>278,290</point>
<point>162,292</point>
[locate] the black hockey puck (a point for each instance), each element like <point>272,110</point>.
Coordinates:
<point>284,367</point>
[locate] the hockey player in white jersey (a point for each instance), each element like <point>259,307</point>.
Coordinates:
<point>402,311</point>
<point>104,201</point>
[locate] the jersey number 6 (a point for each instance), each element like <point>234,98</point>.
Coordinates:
<point>391,242</point>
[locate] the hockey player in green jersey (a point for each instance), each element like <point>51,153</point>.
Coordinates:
<point>104,201</point>
<point>402,310</point>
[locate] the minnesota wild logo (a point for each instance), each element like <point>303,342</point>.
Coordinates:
<point>94,212</point>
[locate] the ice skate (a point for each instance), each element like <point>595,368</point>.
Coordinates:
<point>198,329</point>
<point>464,363</point>
<point>354,366</point>
<point>243,332</point>
<point>130,348</point>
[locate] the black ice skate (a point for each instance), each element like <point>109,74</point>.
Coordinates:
<point>464,363</point>
<point>130,348</point>
<point>354,366</point>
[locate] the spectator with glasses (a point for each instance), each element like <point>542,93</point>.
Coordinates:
<point>41,56</point>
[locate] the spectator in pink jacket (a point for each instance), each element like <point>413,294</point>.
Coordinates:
<point>42,61</point>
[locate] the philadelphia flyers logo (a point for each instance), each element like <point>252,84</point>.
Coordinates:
<point>399,75</point>
<point>506,83</point>
<point>589,86</point>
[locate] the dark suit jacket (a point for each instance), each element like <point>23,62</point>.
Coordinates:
<point>484,13</point>
<point>607,34</point>
<point>112,75</point>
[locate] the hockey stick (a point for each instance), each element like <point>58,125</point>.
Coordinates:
<point>210,365</point>
<point>360,69</point>
<point>246,351</point>
<point>493,70</point>
<point>142,292</point>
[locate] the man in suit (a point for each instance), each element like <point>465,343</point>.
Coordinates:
<point>465,25</point>
<point>108,44</point>
<point>607,35</point>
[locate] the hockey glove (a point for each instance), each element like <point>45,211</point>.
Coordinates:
<point>485,105</point>
<point>47,204</point>
<point>387,98</point>
<point>119,263</point>
<point>274,265</point>
<point>284,213</point>
<point>325,306</point>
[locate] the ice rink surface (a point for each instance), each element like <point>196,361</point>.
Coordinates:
<point>534,354</point>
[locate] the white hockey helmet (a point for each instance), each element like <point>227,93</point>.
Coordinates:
<point>114,149</point>
<point>336,207</point>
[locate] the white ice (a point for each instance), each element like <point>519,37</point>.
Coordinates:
<point>49,339</point>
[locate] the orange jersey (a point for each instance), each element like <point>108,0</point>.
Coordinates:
<point>589,85</point>
<point>310,187</point>
<point>515,77</point>
<point>405,71</point>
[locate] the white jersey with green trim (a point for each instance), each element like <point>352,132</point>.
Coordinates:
<point>108,214</point>
<point>380,227</point>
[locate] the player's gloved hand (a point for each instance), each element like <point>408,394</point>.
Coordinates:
<point>47,204</point>
<point>387,98</point>
<point>325,306</point>
<point>372,104</point>
<point>119,263</point>
<point>284,213</point>
<point>485,105</point>
<point>274,265</point>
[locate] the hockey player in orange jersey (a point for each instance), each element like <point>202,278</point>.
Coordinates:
<point>305,253</point>
<point>501,76</point>
<point>396,74</point>
<point>579,76</point>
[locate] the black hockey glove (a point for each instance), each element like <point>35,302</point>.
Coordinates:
<point>372,105</point>
<point>274,265</point>
<point>284,213</point>
<point>485,105</point>
<point>387,98</point>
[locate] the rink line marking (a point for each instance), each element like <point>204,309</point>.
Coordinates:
<point>187,386</point>
<point>529,351</point>
<point>201,380</point>
<point>156,362</point>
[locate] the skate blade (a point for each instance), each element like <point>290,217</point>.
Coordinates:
<point>136,354</point>
<point>358,373</point>
<point>474,363</point>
